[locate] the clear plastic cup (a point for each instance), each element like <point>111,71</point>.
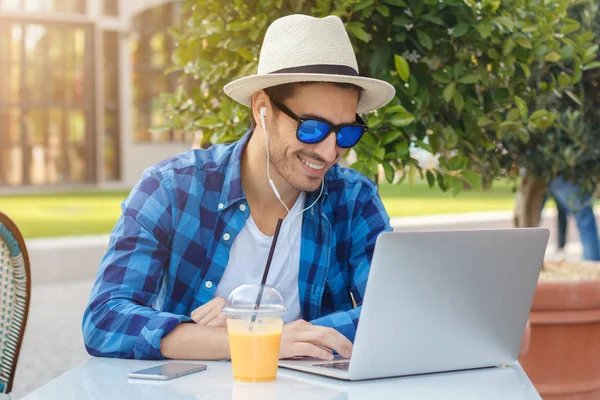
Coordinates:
<point>254,334</point>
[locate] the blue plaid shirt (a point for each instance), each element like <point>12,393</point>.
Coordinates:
<point>170,247</point>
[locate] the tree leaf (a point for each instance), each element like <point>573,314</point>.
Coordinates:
<point>524,43</point>
<point>356,29</point>
<point>397,3</point>
<point>449,92</point>
<point>524,135</point>
<point>573,97</point>
<point>402,120</point>
<point>402,67</point>
<point>383,10</point>
<point>570,27</point>
<point>391,137</point>
<point>525,69</point>
<point>430,178</point>
<point>473,179</point>
<point>506,22</point>
<point>460,30</point>
<point>484,121</point>
<point>522,106</point>
<point>485,29</point>
<point>400,20</point>
<point>441,76</point>
<point>553,56</point>
<point>245,53</point>
<point>363,4</point>
<point>592,65</point>
<point>458,100</point>
<point>564,80</point>
<point>412,175</point>
<point>433,19</point>
<point>469,78</point>
<point>425,40</point>
<point>567,52</point>
<point>509,45</point>
<point>389,171</point>
<point>441,180</point>
<point>455,184</point>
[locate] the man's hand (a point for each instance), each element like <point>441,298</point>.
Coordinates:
<point>301,338</point>
<point>210,313</point>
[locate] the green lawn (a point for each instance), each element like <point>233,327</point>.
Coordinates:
<point>44,215</point>
<point>405,200</point>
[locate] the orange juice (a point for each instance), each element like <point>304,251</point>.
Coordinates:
<point>255,357</point>
<point>254,348</point>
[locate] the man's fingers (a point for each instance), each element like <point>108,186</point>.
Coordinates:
<point>310,350</point>
<point>220,321</point>
<point>203,311</point>
<point>213,314</point>
<point>326,337</point>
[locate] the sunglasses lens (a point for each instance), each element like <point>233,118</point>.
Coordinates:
<point>348,136</point>
<point>311,131</point>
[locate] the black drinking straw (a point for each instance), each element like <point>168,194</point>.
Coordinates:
<point>267,267</point>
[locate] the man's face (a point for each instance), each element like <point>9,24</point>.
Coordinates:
<point>303,165</point>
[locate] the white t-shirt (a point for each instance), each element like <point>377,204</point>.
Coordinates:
<point>249,253</point>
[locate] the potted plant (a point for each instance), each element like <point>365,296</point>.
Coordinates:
<point>563,357</point>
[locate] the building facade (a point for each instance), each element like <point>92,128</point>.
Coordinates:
<point>79,89</point>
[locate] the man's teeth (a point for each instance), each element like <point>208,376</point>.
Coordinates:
<point>313,166</point>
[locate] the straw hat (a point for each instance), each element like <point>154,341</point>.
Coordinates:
<point>300,48</point>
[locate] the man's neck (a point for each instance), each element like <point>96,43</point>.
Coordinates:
<point>255,181</point>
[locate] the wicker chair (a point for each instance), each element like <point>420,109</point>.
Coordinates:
<point>15,289</point>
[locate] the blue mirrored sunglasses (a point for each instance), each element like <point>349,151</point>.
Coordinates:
<point>314,130</point>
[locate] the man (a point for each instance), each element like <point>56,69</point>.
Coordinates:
<point>199,224</point>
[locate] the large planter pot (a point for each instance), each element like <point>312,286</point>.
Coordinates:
<point>563,359</point>
<point>525,341</point>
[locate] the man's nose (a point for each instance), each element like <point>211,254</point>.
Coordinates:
<point>327,149</point>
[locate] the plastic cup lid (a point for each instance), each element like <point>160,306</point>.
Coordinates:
<point>242,302</point>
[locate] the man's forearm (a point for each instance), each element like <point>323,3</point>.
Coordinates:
<point>189,341</point>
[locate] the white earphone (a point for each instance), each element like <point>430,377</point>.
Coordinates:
<point>263,113</point>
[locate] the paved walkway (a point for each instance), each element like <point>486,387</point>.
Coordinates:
<point>53,343</point>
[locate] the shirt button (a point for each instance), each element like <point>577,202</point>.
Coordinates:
<point>208,284</point>
<point>226,236</point>
<point>243,207</point>
<point>221,206</point>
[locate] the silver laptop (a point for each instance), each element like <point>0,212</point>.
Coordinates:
<point>441,301</point>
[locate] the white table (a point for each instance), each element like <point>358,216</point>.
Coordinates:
<point>102,378</point>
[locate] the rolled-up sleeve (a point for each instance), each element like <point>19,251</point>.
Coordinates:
<point>119,320</point>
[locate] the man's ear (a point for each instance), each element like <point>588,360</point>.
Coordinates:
<point>260,100</point>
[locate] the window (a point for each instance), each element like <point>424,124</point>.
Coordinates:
<point>44,137</point>
<point>64,6</point>
<point>10,5</point>
<point>151,48</point>
<point>111,105</point>
<point>110,8</point>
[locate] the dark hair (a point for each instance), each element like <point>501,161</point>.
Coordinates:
<point>288,90</point>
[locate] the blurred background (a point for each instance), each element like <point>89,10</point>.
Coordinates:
<point>80,85</point>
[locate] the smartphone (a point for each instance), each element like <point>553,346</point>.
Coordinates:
<point>167,371</point>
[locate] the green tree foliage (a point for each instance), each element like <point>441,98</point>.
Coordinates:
<point>465,72</point>
<point>561,136</point>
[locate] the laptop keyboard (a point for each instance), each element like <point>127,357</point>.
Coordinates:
<point>343,365</point>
